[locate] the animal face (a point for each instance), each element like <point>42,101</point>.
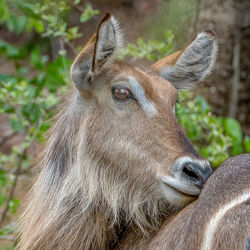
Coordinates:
<point>131,128</point>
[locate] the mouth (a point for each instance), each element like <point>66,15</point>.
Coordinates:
<point>180,185</point>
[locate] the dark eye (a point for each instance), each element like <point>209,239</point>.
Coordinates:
<point>121,93</point>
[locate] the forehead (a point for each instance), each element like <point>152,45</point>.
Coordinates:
<point>153,87</point>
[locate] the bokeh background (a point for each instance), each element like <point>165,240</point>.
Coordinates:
<point>39,39</point>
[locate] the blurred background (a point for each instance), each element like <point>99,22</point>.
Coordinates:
<point>39,39</point>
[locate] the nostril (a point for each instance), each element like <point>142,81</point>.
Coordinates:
<point>189,172</point>
<point>194,173</point>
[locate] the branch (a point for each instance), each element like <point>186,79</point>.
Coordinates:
<point>16,175</point>
<point>7,237</point>
<point>71,46</point>
<point>76,6</point>
<point>17,172</point>
<point>6,138</point>
<point>236,77</point>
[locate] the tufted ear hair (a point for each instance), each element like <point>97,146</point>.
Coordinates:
<point>185,67</point>
<point>98,53</point>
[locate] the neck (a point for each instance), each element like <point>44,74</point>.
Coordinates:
<point>79,204</point>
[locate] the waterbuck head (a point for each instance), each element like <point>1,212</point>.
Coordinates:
<point>132,125</point>
<point>117,157</point>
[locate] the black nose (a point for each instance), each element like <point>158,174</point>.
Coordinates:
<point>196,173</point>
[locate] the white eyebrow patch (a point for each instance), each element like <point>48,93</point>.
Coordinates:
<point>140,95</point>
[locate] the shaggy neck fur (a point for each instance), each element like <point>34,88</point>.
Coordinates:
<point>79,201</point>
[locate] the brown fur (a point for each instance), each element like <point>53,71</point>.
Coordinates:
<point>187,230</point>
<point>97,183</point>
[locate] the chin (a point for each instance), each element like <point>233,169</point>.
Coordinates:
<point>176,197</point>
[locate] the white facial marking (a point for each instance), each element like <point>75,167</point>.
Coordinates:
<point>214,222</point>
<point>180,161</point>
<point>176,180</point>
<point>139,93</point>
<point>175,197</point>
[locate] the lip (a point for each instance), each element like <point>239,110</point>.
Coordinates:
<point>181,185</point>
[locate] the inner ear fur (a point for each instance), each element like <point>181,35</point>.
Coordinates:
<point>97,53</point>
<point>192,64</point>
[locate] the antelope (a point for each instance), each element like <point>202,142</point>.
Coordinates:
<point>219,219</point>
<point>117,163</point>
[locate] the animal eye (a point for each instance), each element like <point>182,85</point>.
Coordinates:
<point>121,93</point>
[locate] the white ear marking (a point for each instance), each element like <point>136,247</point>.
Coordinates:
<point>195,63</point>
<point>109,40</point>
<point>99,50</point>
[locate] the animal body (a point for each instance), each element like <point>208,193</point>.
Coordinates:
<point>117,163</point>
<point>219,219</point>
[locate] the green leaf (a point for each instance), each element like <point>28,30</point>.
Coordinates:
<point>247,143</point>
<point>37,60</point>
<point>3,178</point>
<point>88,13</point>
<point>8,108</point>
<point>13,52</point>
<point>13,205</point>
<point>233,129</point>
<point>202,103</point>
<point>3,46</point>
<point>2,199</point>
<point>16,23</point>
<point>29,9</point>
<point>31,111</point>
<point>36,24</point>
<point>236,149</point>
<point>17,125</point>
<point>57,73</point>
<point>4,11</point>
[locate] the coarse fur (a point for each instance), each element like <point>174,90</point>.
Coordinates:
<point>97,181</point>
<point>219,219</point>
<point>190,65</point>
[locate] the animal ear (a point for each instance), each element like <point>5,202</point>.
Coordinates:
<point>185,67</point>
<point>97,53</point>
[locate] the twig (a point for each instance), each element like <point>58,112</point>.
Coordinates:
<point>236,76</point>
<point>20,172</point>
<point>6,138</point>
<point>17,171</point>
<point>72,47</point>
<point>7,237</point>
<point>76,6</point>
<point>19,165</point>
<point>197,15</point>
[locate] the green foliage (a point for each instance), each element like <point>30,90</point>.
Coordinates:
<point>247,144</point>
<point>88,13</point>
<point>204,129</point>
<point>29,95</point>
<point>152,50</point>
